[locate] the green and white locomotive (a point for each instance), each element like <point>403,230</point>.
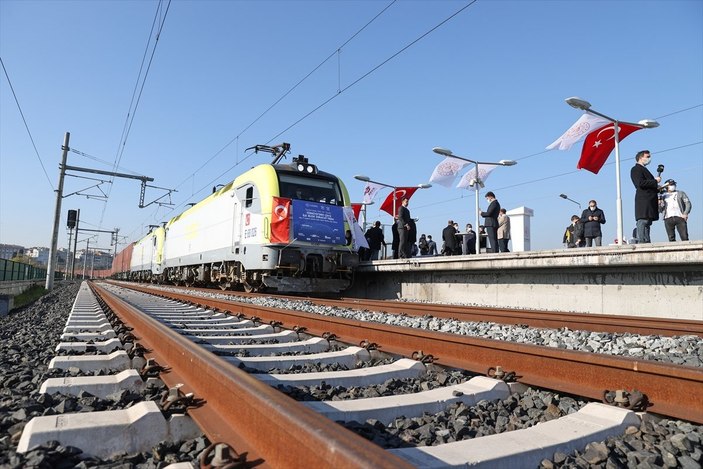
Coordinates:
<point>277,226</point>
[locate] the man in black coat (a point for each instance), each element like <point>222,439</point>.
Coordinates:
<point>374,236</point>
<point>491,220</point>
<point>404,227</point>
<point>449,238</point>
<point>591,219</point>
<point>646,191</point>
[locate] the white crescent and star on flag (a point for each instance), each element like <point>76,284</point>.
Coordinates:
<point>281,212</point>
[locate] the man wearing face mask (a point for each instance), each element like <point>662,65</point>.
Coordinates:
<point>592,218</point>
<point>491,223</point>
<point>647,188</point>
<point>676,206</point>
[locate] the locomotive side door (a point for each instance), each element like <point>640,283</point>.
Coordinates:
<point>243,197</point>
<point>236,224</point>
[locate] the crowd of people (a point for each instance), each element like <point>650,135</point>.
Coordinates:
<point>651,200</point>
<point>494,236</point>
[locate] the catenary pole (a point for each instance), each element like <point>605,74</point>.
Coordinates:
<point>75,245</point>
<point>53,254</point>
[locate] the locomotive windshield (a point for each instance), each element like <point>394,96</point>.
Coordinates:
<point>314,189</point>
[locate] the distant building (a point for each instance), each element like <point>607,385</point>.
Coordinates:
<point>8,251</point>
<point>93,259</point>
<point>40,255</point>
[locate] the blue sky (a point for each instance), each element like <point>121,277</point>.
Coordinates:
<point>489,83</point>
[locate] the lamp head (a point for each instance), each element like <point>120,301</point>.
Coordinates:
<point>361,177</point>
<point>507,162</point>
<point>648,123</point>
<point>563,196</point>
<point>442,151</point>
<point>578,103</point>
<point>424,186</point>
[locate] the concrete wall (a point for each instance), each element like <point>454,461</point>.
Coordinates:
<point>8,291</point>
<point>655,280</point>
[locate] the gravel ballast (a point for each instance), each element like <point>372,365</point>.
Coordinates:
<point>28,339</point>
<point>30,335</point>
<point>680,350</point>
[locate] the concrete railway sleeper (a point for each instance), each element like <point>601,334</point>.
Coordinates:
<point>225,333</point>
<point>670,389</point>
<point>370,393</point>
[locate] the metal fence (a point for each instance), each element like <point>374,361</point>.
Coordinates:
<point>10,270</point>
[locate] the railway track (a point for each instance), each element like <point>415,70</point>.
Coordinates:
<point>548,319</point>
<point>262,421</point>
<point>672,390</point>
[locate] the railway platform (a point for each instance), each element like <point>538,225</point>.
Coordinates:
<point>647,280</point>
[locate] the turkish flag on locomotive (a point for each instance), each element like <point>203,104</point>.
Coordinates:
<point>600,143</point>
<point>399,193</point>
<point>280,220</point>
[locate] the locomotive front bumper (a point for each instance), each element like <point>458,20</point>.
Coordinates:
<point>306,285</point>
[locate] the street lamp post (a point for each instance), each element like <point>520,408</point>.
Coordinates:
<point>363,206</point>
<point>564,196</point>
<point>361,177</point>
<point>477,183</point>
<point>584,105</point>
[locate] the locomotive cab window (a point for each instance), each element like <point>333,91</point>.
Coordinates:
<point>321,190</point>
<point>249,198</point>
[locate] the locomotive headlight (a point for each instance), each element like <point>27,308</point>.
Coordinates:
<point>301,167</point>
<point>309,169</point>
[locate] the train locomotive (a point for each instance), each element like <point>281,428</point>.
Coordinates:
<point>279,227</point>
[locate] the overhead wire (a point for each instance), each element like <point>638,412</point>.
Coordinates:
<point>290,90</point>
<point>554,176</point>
<point>362,77</point>
<point>26,126</point>
<point>134,104</point>
<point>365,75</point>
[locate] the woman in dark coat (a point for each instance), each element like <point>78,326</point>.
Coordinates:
<point>592,218</point>
<point>647,189</point>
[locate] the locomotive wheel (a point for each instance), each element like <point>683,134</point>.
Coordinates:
<point>253,287</point>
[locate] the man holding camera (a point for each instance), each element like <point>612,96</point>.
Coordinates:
<point>676,206</point>
<point>647,190</point>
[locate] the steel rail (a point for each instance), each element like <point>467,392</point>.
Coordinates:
<point>673,390</point>
<point>240,410</point>
<point>532,318</point>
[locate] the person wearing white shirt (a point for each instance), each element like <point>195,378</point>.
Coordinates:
<point>676,206</point>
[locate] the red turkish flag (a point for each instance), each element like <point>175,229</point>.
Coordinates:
<point>280,220</point>
<point>357,210</point>
<point>400,193</point>
<point>600,143</point>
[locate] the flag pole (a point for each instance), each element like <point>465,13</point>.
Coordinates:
<point>584,105</point>
<point>477,183</point>
<point>618,201</point>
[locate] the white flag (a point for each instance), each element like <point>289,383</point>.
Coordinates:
<point>446,171</point>
<point>370,191</point>
<point>483,171</point>
<point>358,238</point>
<point>586,124</point>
